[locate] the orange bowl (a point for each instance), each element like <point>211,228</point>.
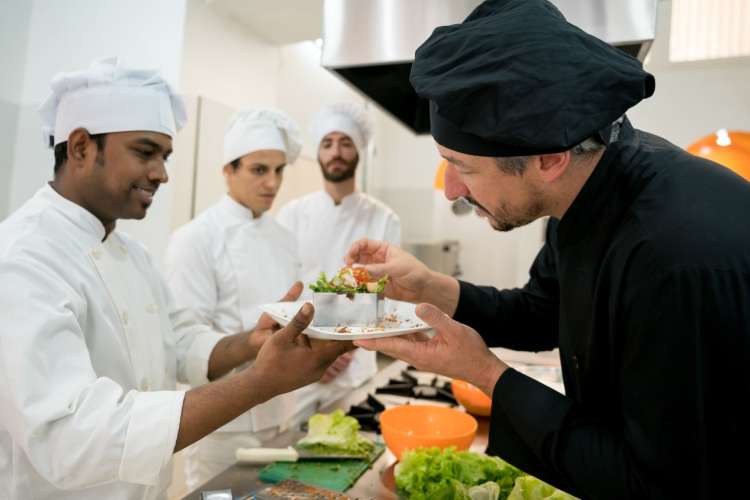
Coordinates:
<point>418,426</point>
<point>472,398</point>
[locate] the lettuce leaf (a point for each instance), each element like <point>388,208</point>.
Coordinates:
<point>531,488</point>
<point>432,473</point>
<point>335,433</point>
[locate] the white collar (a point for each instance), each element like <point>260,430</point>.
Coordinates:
<point>347,201</point>
<point>90,226</point>
<point>239,211</point>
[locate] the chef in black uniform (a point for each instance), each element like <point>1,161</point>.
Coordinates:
<point>643,283</point>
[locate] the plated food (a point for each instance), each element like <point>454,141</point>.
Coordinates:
<point>399,318</point>
<point>348,299</point>
<point>348,281</point>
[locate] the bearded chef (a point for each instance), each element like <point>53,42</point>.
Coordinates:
<point>234,257</point>
<point>325,223</point>
<point>91,344</point>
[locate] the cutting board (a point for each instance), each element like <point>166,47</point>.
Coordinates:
<point>337,475</point>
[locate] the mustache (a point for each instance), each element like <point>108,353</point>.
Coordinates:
<point>337,158</point>
<point>474,203</point>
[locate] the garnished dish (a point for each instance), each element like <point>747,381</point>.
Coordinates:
<point>349,280</point>
<point>351,298</point>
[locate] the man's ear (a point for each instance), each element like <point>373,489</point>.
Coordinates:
<point>553,166</point>
<point>79,146</point>
<point>228,169</point>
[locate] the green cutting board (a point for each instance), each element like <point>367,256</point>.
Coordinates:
<point>338,475</point>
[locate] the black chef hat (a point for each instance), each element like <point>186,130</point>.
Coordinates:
<point>515,78</point>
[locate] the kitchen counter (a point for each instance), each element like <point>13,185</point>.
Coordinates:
<point>375,483</point>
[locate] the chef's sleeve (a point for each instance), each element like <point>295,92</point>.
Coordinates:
<point>191,297</point>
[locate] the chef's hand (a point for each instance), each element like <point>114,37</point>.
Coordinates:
<point>289,360</point>
<point>266,325</point>
<point>337,368</point>
<point>455,350</point>
<point>409,279</point>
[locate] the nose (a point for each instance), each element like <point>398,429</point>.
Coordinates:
<point>158,173</point>
<point>271,181</point>
<point>454,188</point>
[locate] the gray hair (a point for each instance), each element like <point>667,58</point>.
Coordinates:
<point>516,165</point>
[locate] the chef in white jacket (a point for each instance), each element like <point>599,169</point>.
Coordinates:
<point>231,259</point>
<point>325,224</point>
<point>90,345</point>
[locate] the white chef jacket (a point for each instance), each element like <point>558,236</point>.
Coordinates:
<point>222,265</point>
<point>324,233</point>
<point>90,350</point>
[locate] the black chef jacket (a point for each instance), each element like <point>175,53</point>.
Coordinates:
<point>644,285</point>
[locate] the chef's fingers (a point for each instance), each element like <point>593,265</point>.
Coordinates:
<point>361,250</point>
<point>293,293</point>
<point>297,325</point>
<point>376,271</point>
<point>436,318</point>
<point>395,347</point>
<point>266,322</point>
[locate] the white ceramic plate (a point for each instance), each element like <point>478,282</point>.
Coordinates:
<point>401,320</point>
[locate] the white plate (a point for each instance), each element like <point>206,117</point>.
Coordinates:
<point>404,321</point>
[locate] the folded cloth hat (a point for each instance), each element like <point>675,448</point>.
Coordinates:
<point>346,118</point>
<point>108,98</point>
<point>252,130</point>
<point>515,78</point>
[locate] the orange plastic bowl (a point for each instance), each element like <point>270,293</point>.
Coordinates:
<point>472,398</point>
<point>417,426</point>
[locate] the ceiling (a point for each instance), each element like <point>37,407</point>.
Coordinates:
<point>276,21</point>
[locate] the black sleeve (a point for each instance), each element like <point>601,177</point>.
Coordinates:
<point>679,428</point>
<point>523,319</point>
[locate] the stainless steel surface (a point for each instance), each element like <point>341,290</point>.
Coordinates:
<point>441,256</point>
<point>338,309</point>
<point>371,43</point>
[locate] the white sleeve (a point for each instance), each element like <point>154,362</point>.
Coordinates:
<point>77,429</point>
<point>191,298</point>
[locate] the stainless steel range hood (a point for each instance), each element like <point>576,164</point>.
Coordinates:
<point>371,43</point>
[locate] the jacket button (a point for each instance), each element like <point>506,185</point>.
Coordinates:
<point>575,363</point>
<point>124,316</point>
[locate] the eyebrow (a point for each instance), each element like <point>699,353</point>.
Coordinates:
<point>455,161</point>
<point>268,166</point>
<point>144,141</point>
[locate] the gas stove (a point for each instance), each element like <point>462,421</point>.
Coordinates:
<point>410,388</point>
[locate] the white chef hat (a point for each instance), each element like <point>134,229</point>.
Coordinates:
<point>255,129</point>
<point>346,118</point>
<point>108,98</point>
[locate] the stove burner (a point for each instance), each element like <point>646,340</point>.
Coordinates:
<point>368,412</point>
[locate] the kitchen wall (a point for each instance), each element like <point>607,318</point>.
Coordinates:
<point>14,34</point>
<point>692,99</point>
<point>64,36</point>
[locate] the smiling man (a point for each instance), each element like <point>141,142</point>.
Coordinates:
<point>234,257</point>
<point>90,344</point>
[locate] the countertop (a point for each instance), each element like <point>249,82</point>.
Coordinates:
<point>377,482</point>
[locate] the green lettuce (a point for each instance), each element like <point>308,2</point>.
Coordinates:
<point>434,474</point>
<point>531,488</point>
<point>338,284</point>
<point>335,433</point>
